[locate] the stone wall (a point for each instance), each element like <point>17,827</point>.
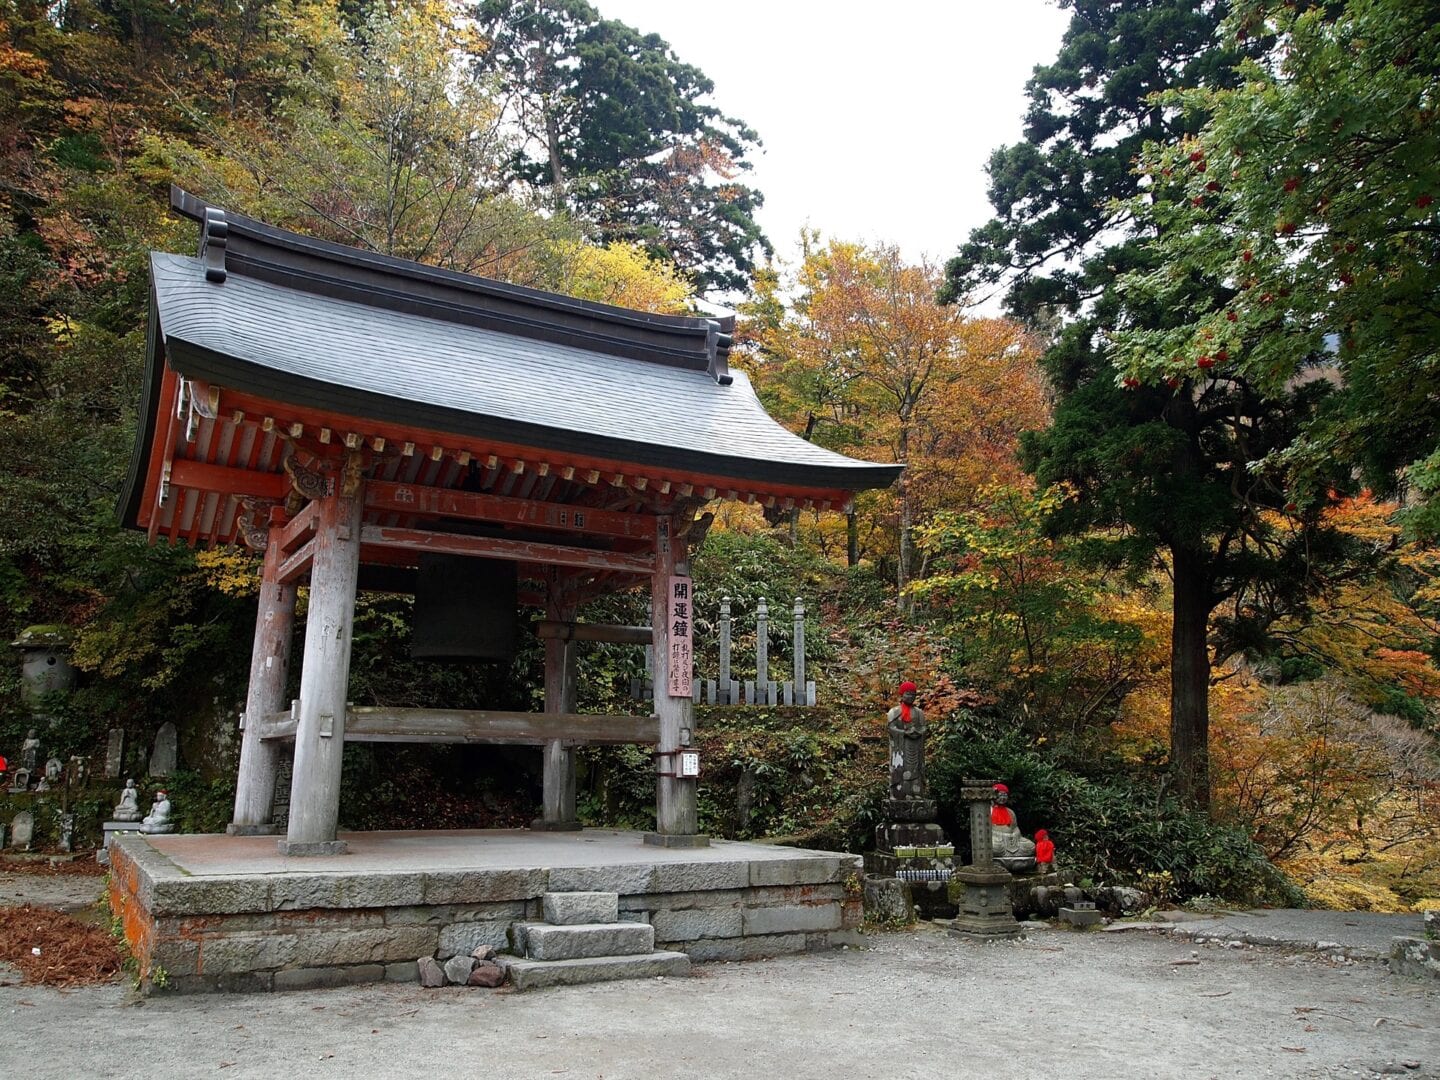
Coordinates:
<point>297,931</point>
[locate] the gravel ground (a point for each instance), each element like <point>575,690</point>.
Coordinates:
<point>1059,1004</point>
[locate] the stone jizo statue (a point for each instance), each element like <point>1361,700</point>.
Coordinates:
<point>53,769</point>
<point>906,724</point>
<point>1012,850</point>
<point>128,809</point>
<point>159,816</point>
<point>30,752</point>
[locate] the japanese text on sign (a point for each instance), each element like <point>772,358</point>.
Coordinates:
<point>679,623</point>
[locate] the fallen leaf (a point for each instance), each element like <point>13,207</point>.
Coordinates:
<point>1294,1049</point>
<point>1222,993</point>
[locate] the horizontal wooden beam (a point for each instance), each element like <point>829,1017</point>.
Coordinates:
<point>227,480</point>
<point>573,631</point>
<point>495,547</point>
<point>301,526</point>
<point>297,565</point>
<point>373,724</point>
<point>421,501</point>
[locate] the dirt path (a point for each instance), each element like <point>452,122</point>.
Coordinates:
<point>915,1005</point>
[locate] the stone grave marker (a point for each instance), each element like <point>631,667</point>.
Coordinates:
<point>165,756</point>
<point>115,754</point>
<point>22,830</point>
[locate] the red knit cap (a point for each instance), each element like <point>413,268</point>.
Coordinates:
<point>1002,787</point>
<point>908,688</point>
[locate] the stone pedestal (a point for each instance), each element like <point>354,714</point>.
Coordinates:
<point>983,899</point>
<point>918,855</point>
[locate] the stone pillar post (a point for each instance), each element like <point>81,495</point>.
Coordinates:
<point>982,889</point>
<point>762,651</point>
<point>324,681</point>
<point>799,665</point>
<point>558,813</point>
<point>725,651</point>
<point>676,813</point>
<point>269,668</point>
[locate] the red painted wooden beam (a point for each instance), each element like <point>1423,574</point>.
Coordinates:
<point>494,547</point>
<point>420,501</point>
<point>228,481</point>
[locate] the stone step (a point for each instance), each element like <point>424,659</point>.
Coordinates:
<point>588,940</point>
<point>537,974</point>
<point>580,908</point>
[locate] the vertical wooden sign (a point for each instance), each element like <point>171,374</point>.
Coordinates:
<point>680,622</point>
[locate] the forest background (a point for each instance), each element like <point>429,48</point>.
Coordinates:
<point>1162,557</point>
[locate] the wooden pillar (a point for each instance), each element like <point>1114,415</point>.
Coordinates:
<point>558,813</point>
<point>676,814</point>
<point>269,668</point>
<point>324,681</point>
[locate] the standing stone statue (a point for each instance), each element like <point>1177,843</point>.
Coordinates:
<point>53,769</point>
<point>128,809</point>
<point>30,752</point>
<point>906,724</point>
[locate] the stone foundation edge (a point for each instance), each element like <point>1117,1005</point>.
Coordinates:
<point>261,934</point>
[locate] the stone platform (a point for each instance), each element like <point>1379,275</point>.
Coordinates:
<point>205,913</point>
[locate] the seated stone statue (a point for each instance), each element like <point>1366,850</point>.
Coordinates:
<point>1012,850</point>
<point>128,808</point>
<point>159,817</point>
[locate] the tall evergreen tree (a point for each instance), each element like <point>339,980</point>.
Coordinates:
<point>616,131</point>
<point>1162,472</point>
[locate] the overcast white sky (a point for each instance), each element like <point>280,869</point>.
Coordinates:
<point>877,119</point>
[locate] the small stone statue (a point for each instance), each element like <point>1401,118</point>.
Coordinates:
<point>1012,850</point>
<point>128,809</point>
<point>30,752</point>
<point>158,820</point>
<point>906,724</point>
<point>53,768</point>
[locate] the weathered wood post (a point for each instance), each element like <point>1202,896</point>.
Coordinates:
<point>324,680</point>
<point>269,668</point>
<point>799,665</point>
<point>676,812</point>
<point>762,651</point>
<point>558,797</point>
<point>724,689</point>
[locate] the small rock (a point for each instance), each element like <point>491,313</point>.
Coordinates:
<point>487,973</point>
<point>458,968</point>
<point>431,973</point>
<point>485,952</point>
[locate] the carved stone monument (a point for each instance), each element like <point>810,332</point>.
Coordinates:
<point>53,770</point>
<point>22,830</point>
<point>115,753</point>
<point>982,889</point>
<point>909,845</point>
<point>165,756</point>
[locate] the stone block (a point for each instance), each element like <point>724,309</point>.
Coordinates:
<point>794,894</point>
<point>402,971</point>
<point>240,982</point>
<point>888,900</point>
<point>482,886</point>
<point>784,919</point>
<point>432,975</point>
<point>804,871</point>
<point>1415,956</point>
<point>634,878</point>
<point>458,968</point>
<point>741,948</point>
<point>580,908</point>
<point>177,956</point>
<point>692,923</point>
<point>536,974</point>
<point>545,942</point>
<point>318,978</point>
<point>349,947</point>
<point>230,954</point>
<point>375,890</point>
<point>678,901</point>
<point>442,915</point>
<point>182,895</point>
<point>699,876</point>
<point>464,938</point>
